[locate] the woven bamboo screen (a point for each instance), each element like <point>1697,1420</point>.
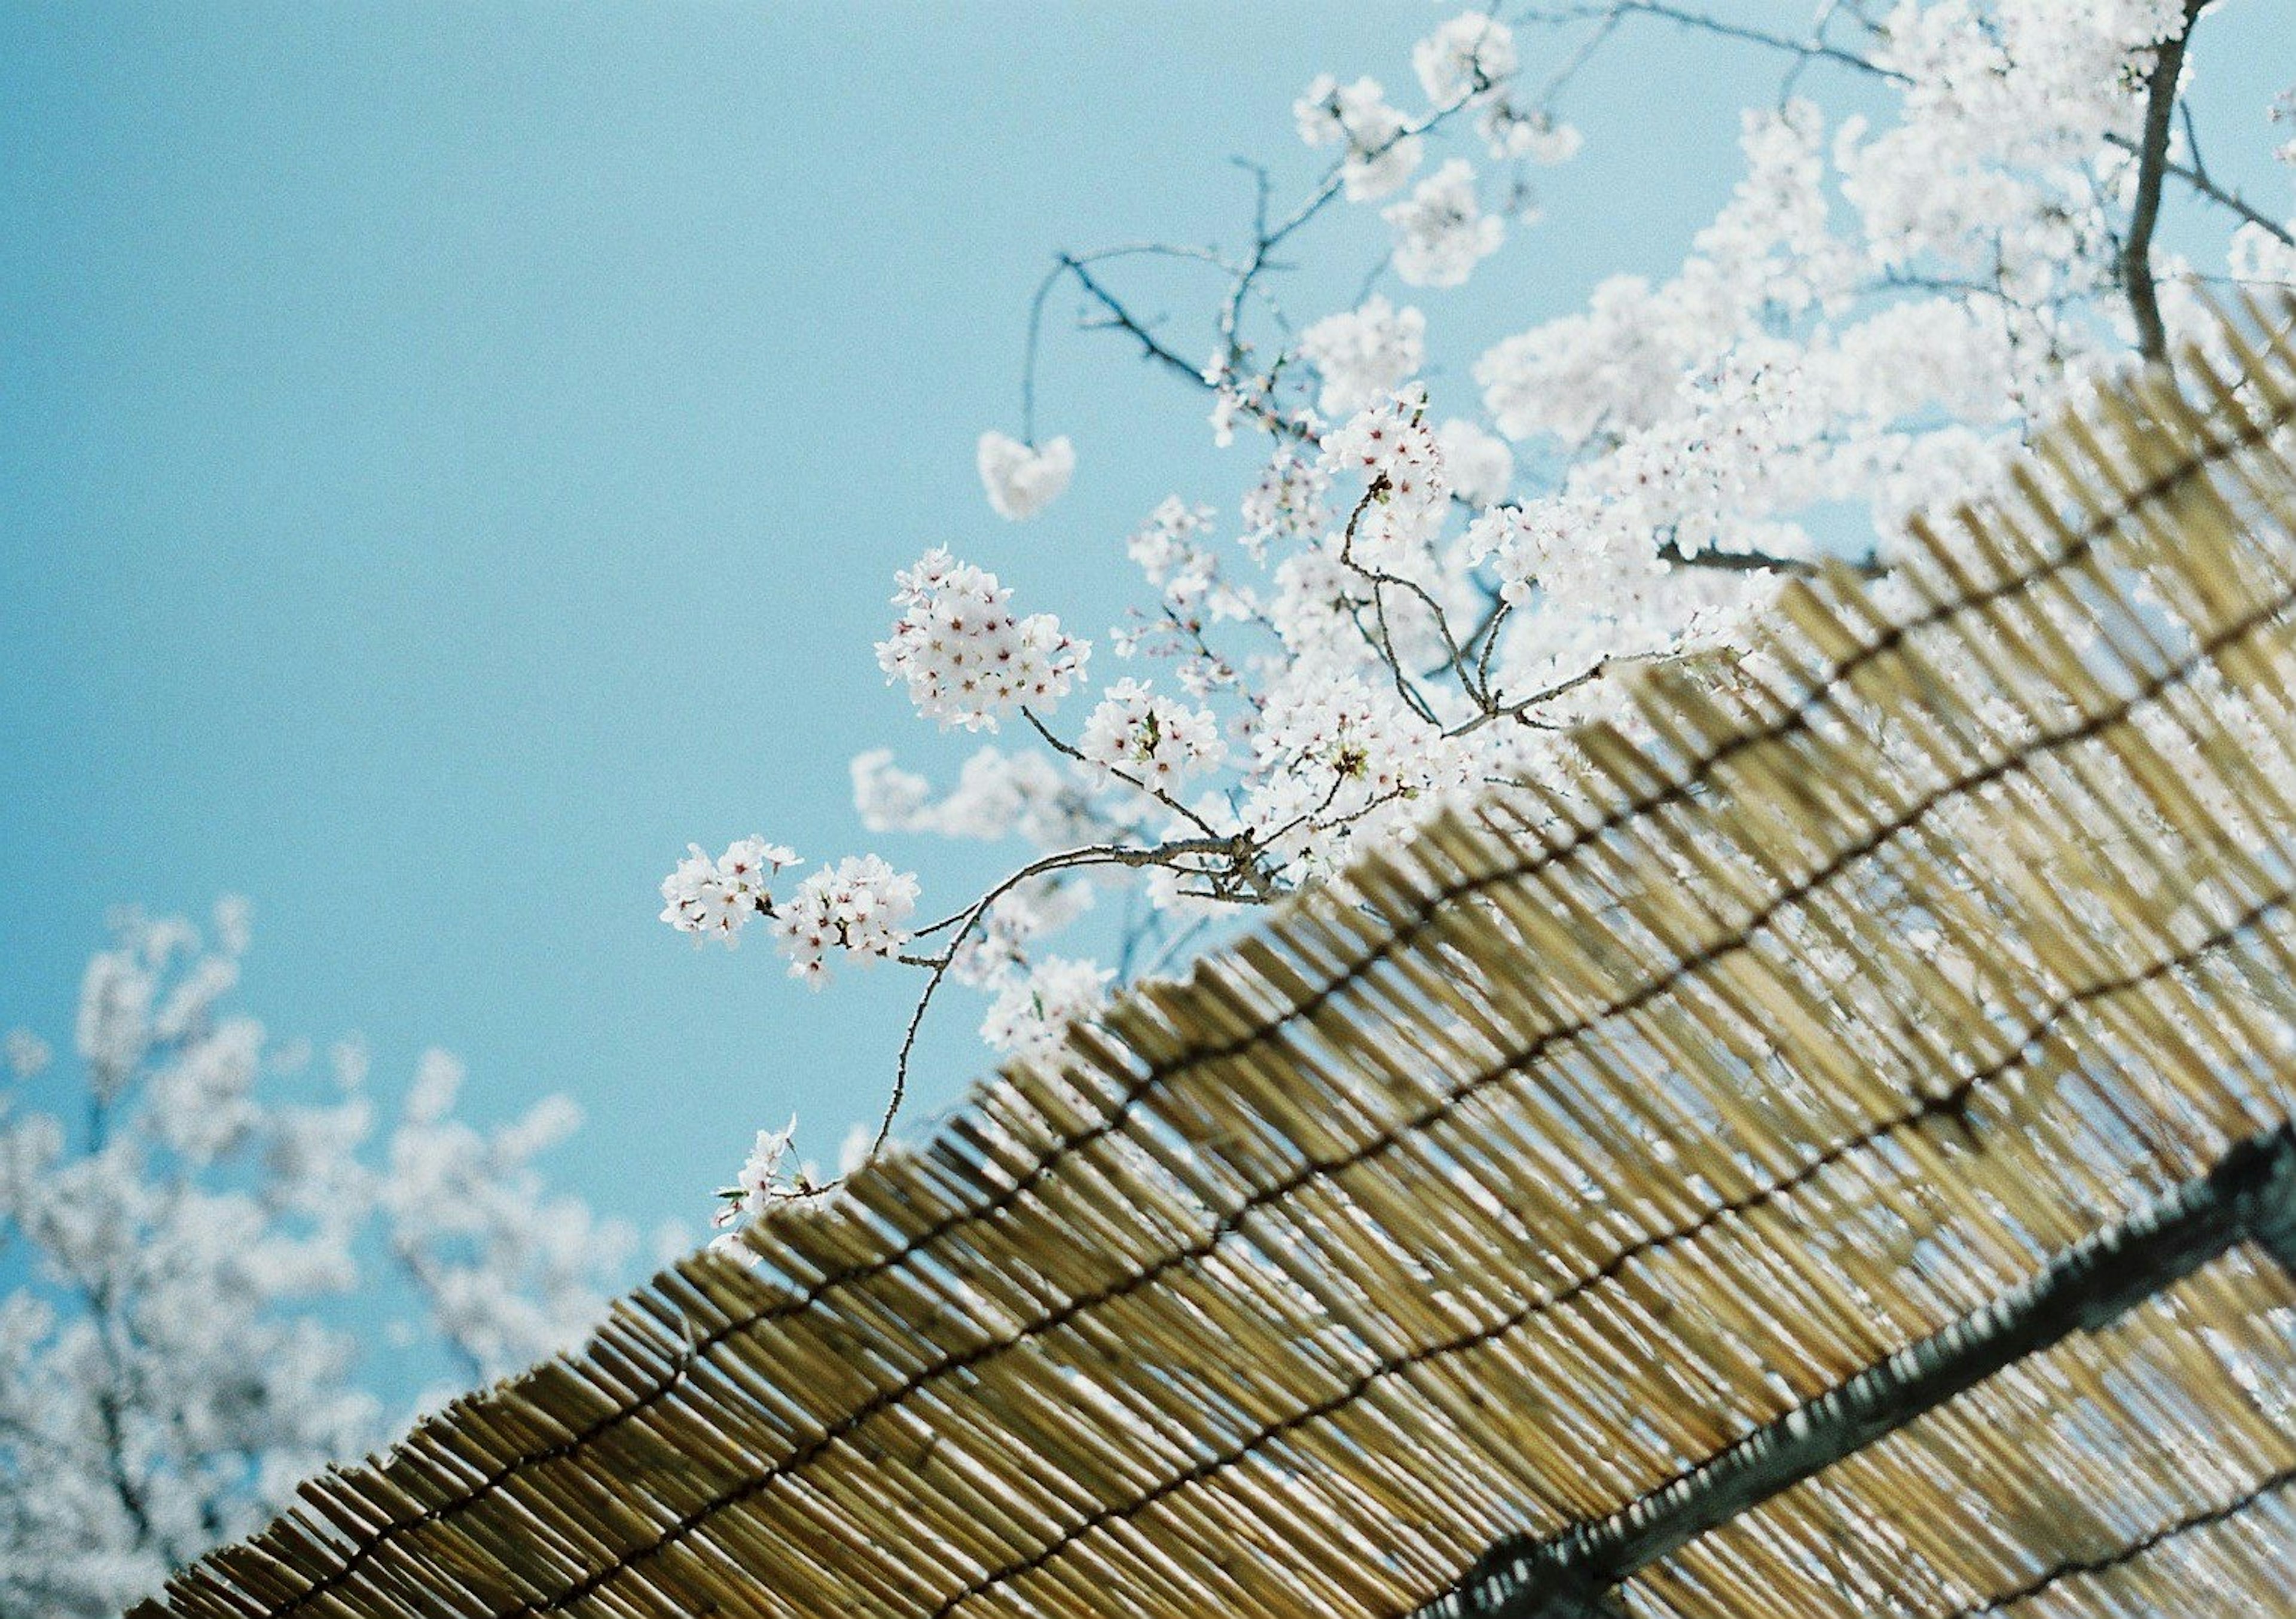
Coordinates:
<point>1486,1195</point>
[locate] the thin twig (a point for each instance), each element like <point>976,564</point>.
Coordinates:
<point>2202,185</point>
<point>1814,49</point>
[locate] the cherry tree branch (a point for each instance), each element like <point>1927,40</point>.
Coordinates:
<point>1670,552</point>
<point>1239,879</point>
<point>1151,347</point>
<point>2195,177</point>
<point>1247,867</point>
<point>1814,49</point>
<point>1519,710</point>
<point>2152,166</point>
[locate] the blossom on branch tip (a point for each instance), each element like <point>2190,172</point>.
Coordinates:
<point>963,654</point>
<point>857,906</point>
<point>1395,452</point>
<point>1381,152</point>
<point>715,898</point>
<point>1153,740</point>
<point>1465,58</point>
<point>1365,353</point>
<point>1566,549</point>
<point>760,1177</point>
<point>1022,480</point>
<point>1441,232</point>
<point>1508,133</point>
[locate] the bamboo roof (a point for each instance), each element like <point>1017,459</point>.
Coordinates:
<point>1502,1204</point>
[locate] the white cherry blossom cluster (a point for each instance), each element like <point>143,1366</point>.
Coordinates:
<point>1565,548</point>
<point>856,908</point>
<point>1151,742</point>
<point>1365,353</point>
<point>1171,552</point>
<point>1520,541</point>
<point>1340,737</point>
<point>1441,232</point>
<point>1020,479</point>
<point>1619,360</point>
<point>1537,136</point>
<point>998,795</point>
<point>1381,150</point>
<point>1241,396</point>
<point>888,798</point>
<point>1479,465</point>
<point>1317,608</point>
<point>1338,761</point>
<point>1470,56</point>
<point>187,1232</point>
<point>1034,1011</point>
<point>715,899</point>
<point>1176,554</point>
<point>963,654</point>
<point>1288,502</point>
<point>760,1182</point>
<point>1391,447</point>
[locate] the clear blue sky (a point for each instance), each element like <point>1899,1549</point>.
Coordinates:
<point>456,454</point>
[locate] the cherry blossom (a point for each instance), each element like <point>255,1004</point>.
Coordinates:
<point>1365,353</point>
<point>715,898</point>
<point>1470,55</point>
<point>1391,447</point>
<point>1020,480</point>
<point>173,1357</point>
<point>760,1180</point>
<point>1134,735</point>
<point>856,907</point>
<point>963,654</point>
<point>1509,132</point>
<point>1032,1014</point>
<point>1287,502</point>
<point>1479,465</point>
<point>1442,233</point>
<point>1381,151</point>
<point>1441,542</point>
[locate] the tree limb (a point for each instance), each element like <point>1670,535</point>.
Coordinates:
<point>2152,166</point>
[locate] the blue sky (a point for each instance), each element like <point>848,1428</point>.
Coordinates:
<point>456,454</point>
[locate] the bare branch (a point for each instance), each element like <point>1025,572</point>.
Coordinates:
<point>1151,347</point>
<point>1520,709</point>
<point>2203,185</point>
<point>1812,49</point>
